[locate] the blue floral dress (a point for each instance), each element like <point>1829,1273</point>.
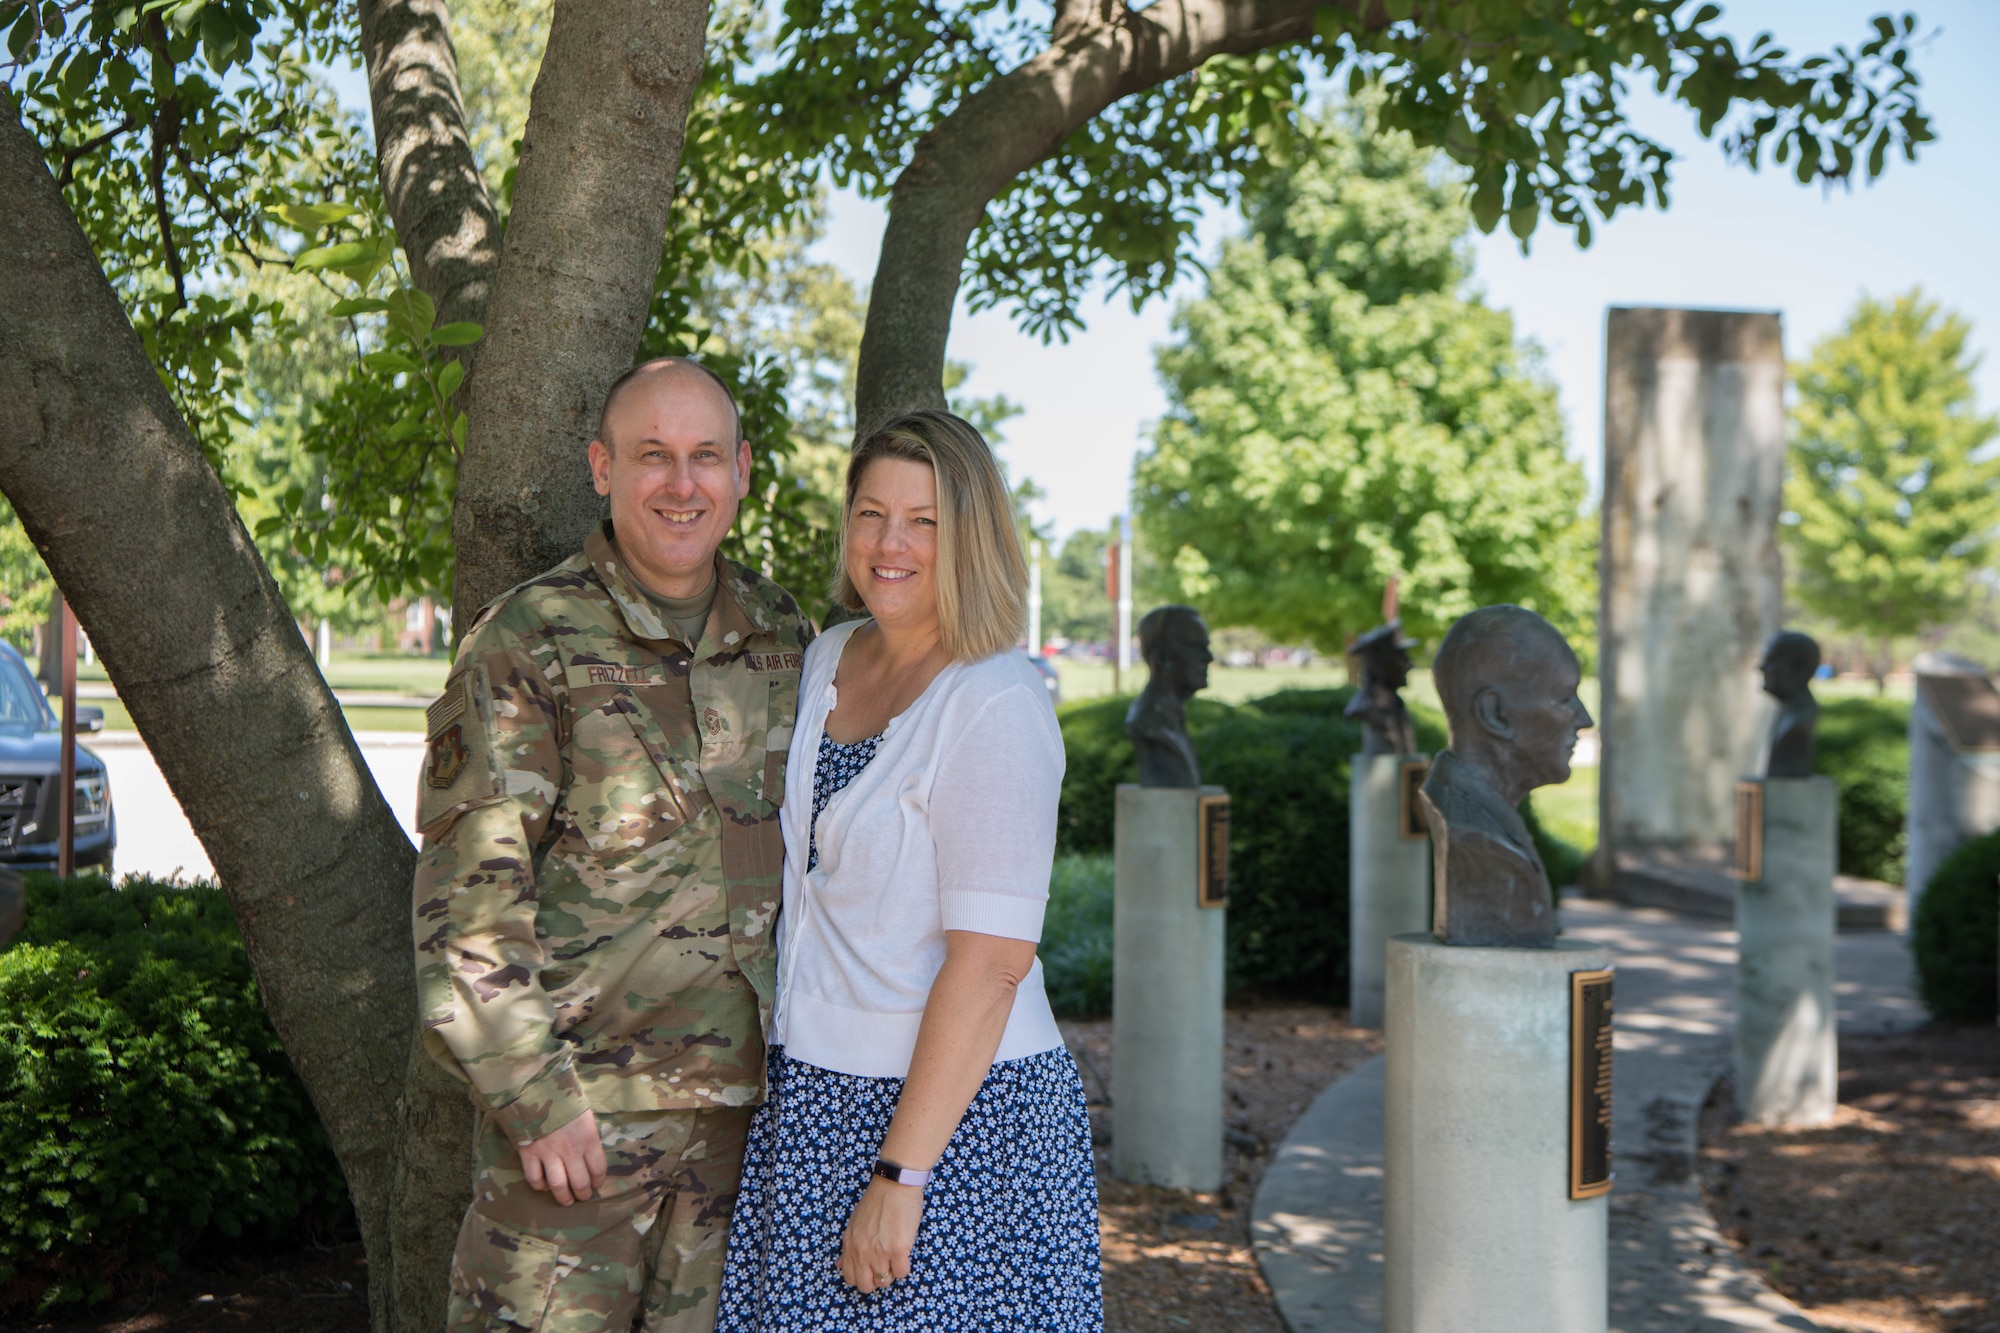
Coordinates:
<point>1009,1233</point>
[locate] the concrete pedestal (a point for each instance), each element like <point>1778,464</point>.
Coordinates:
<point>1388,879</point>
<point>1479,1231</point>
<point>1786,1058</point>
<point>1166,988</point>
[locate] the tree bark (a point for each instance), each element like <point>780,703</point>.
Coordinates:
<point>430,179</point>
<point>598,161</point>
<point>1102,52</point>
<point>144,540</point>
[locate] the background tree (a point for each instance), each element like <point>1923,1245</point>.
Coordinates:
<point>1342,411</point>
<point>1891,488</point>
<point>1075,604</point>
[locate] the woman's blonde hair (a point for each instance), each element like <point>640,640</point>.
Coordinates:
<point>982,576</point>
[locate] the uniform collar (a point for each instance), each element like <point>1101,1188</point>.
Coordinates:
<point>735,616</point>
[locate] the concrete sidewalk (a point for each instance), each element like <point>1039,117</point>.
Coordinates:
<point>1317,1219</point>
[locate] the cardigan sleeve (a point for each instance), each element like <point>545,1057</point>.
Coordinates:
<point>993,816</point>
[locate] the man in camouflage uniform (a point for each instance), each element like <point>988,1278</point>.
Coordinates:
<point>599,878</point>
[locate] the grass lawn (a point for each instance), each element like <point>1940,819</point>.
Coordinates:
<point>358,719</point>
<point>422,676</point>
<point>419,676</point>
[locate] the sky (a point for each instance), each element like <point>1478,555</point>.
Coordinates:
<point>1731,239</point>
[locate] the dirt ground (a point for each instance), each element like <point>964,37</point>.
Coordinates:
<point>312,1290</point>
<point>1173,1260</point>
<point>1887,1220</point>
<point>1177,1260</point>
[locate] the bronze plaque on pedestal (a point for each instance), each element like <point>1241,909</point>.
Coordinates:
<point>1410,821</point>
<point>1212,880</point>
<point>1589,1084</point>
<point>1749,831</point>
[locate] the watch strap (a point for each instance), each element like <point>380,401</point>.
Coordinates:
<point>901,1175</point>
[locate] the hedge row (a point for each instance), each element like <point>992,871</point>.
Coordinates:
<point>1864,746</point>
<point>148,1102</point>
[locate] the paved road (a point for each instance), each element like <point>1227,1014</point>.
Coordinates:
<point>153,835</point>
<point>1317,1219</point>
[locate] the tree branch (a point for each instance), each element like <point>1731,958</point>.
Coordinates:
<point>1101,52</point>
<point>84,149</point>
<point>430,180</point>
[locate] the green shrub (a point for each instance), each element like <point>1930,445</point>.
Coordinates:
<point>1286,773</point>
<point>1563,859</point>
<point>1954,934</point>
<point>148,1102</point>
<point>1076,936</point>
<point>1864,746</point>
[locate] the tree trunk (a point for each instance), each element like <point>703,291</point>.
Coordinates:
<point>108,481</point>
<point>1099,56</point>
<point>598,161</point>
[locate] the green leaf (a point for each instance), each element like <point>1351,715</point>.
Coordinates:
<point>357,305</point>
<point>311,217</point>
<point>22,34</point>
<point>347,254</point>
<point>463,333</point>
<point>218,37</point>
<point>412,312</point>
<point>449,379</point>
<point>458,431</point>
<point>389,362</point>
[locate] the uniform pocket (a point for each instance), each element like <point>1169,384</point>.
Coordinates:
<point>507,1275</point>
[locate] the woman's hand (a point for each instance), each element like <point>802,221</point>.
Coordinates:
<point>880,1234</point>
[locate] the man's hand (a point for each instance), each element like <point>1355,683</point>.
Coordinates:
<point>568,1162</point>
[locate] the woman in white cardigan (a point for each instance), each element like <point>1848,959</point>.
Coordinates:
<point>924,1160</point>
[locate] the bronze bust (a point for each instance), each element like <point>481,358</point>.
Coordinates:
<point>1788,666</point>
<point>1384,655</point>
<point>1174,642</point>
<point>1508,681</point>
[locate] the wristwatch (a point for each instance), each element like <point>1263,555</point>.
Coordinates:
<point>901,1175</point>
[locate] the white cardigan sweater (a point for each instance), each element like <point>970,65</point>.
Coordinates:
<point>951,826</point>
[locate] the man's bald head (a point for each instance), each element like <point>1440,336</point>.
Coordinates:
<point>1790,660</point>
<point>662,371</point>
<point>1495,647</point>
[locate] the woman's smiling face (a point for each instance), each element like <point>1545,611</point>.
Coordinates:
<point>892,541</point>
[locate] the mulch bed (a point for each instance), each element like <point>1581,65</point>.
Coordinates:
<point>312,1290</point>
<point>1173,1259</point>
<point>1887,1220</point>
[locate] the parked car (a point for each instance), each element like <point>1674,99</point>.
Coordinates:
<point>30,768</point>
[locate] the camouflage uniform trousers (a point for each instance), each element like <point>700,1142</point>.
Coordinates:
<point>649,1246</point>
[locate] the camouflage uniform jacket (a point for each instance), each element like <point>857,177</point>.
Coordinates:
<point>602,858</point>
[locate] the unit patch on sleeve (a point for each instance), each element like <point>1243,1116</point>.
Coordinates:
<point>459,771</point>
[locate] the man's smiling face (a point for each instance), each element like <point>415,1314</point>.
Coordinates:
<point>675,472</point>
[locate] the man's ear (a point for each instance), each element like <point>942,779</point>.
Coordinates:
<point>742,468</point>
<point>600,466</point>
<point>1491,714</point>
